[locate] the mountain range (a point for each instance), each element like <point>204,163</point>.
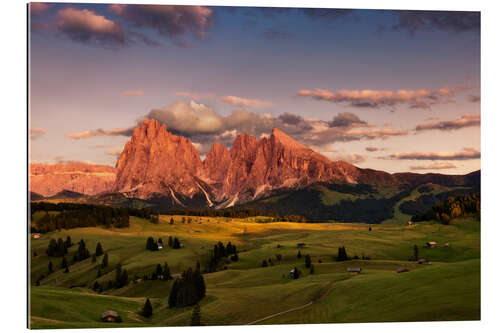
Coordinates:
<point>163,168</point>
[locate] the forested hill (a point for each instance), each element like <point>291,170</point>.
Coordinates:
<point>453,207</point>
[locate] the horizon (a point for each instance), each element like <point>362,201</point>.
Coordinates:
<point>397,91</point>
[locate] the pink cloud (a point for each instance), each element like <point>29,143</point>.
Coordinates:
<point>244,102</point>
<point>434,166</point>
<point>38,7</point>
<point>36,133</point>
<point>87,26</point>
<point>465,154</point>
<point>420,99</point>
<point>467,120</point>
<point>100,132</point>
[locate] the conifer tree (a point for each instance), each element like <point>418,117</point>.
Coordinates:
<point>98,250</point>
<point>64,263</point>
<point>147,310</point>
<point>68,242</point>
<point>264,263</point>
<point>166,272</point>
<point>415,252</point>
<point>177,244</point>
<point>170,241</point>
<point>299,255</point>
<point>196,315</point>
<point>171,220</point>
<point>94,259</point>
<point>104,262</point>
<point>308,261</point>
<point>51,269</point>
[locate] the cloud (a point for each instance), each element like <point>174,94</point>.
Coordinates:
<point>170,21</point>
<point>204,126</point>
<point>418,99</point>
<point>244,102</point>
<point>86,26</point>
<point>195,96</point>
<point>100,132</point>
<point>38,7</point>
<point>114,151</point>
<point>467,120</point>
<point>132,93</point>
<point>275,34</point>
<point>449,21</point>
<point>474,98</point>
<point>36,133</point>
<point>465,154</point>
<point>434,166</point>
<point>374,149</point>
<point>347,119</point>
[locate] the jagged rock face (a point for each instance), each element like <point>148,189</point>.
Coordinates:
<point>257,167</point>
<point>159,165</point>
<point>50,179</point>
<point>156,162</point>
<point>216,164</point>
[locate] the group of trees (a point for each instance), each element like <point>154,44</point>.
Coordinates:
<point>58,248</point>
<point>187,290</point>
<point>451,208</point>
<point>219,252</point>
<point>160,273</point>
<point>73,215</point>
<point>152,244</point>
<point>342,254</point>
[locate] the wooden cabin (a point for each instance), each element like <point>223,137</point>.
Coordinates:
<point>354,271</point>
<point>110,316</point>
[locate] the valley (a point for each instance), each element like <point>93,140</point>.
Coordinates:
<point>243,291</point>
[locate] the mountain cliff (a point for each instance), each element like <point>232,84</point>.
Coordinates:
<point>166,169</point>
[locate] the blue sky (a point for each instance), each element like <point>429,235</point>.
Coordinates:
<point>235,70</point>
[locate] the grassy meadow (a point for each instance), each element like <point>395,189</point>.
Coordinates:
<point>245,292</point>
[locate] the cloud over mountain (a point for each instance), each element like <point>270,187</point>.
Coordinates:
<point>433,166</point>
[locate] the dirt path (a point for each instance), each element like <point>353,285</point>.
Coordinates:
<point>280,313</point>
<point>323,295</point>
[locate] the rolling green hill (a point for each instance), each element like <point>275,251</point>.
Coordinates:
<point>448,289</point>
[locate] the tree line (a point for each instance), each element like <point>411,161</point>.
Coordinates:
<point>453,207</point>
<point>72,215</point>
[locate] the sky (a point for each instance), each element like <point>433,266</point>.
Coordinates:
<point>397,91</point>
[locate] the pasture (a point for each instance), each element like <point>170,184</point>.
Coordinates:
<point>447,289</point>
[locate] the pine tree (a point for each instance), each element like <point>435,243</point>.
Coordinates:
<point>170,241</point>
<point>94,259</point>
<point>96,286</point>
<point>147,310</point>
<point>68,242</point>
<point>166,272</point>
<point>177,244</point>
<point>98,250</point>
<point>172,298</point>
<point>264,263</point>
<point>64,263</point>
<point>66,270</point>
<point>51,269</point>
<point>159,270</point>
<point>171,220</point>
<point>415,252</point>
<point>299,255</point>
<point>312,269</point>
<point>99,272</point>
<point>308,261</point>
<point>196,315</point>
<point>104,262</point>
